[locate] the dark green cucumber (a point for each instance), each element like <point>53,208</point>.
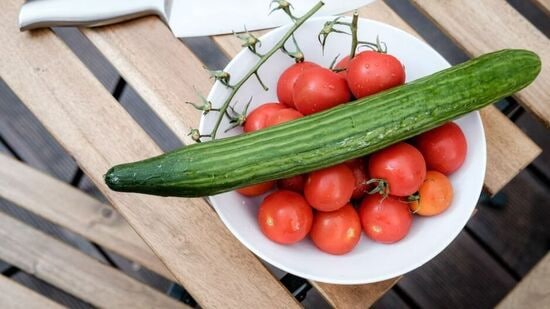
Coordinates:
<point>333,136</point>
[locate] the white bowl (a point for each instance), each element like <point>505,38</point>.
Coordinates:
<point>369,261</point>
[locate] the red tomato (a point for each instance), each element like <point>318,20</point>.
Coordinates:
<point>435,195</point>
<point>336,232</point>
<point>318,89</point>
<point>370,72</point>
<point>330,188</point>
<point>285,217</point>
<point>256,120</point>
<point>285,85</point>
<point>385,220</point>
<point>359,169</point>
<point>294,183</point>
<point>401,167</point>
<point>444,148</point>
<point>257,189</point>
<point>282,115</point>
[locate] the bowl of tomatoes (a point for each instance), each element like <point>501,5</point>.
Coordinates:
<point>364,220</point>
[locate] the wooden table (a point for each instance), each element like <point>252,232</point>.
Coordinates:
<point>186,234</point>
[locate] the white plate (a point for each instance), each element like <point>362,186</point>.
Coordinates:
<point>369,261</point>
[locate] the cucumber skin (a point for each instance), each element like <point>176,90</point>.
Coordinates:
<point>332,136</point>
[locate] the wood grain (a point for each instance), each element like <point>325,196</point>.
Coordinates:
<point>509,150</point>
<point>533,291</point>
<point>472,28</point>
<point>16,296</point>
<point>158,66</point>
<point>71,208</point>
<point>73,271</point>
<point>544,5</point>
<point>186,233</point>
<point>354,296</point>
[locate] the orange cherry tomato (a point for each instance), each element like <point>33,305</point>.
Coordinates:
<point>435,195</point>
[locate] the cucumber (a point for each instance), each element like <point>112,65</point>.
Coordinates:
<point>332,136</point>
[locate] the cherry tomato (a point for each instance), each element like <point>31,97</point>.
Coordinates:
<point>257,189</point>
<point>318,89</point>
<point>285,85</point>
<point>385,220</point>
<point>285,217</point>
<point>359,169</point>
<point>256,120</point>
<point>401,167</point>
<point>436,195</point>
<point>282,115</point>
<point>330,188</point>
<point>294,183</point>
<point>444,148</point>
<point>336,232</point>
<point>370,72</point>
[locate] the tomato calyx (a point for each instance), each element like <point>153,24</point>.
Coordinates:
<point>284,6</point>
<point>382,186</point>
<point>249,41</point>
<point>220,75</point>
<point>237,119</point>
<point>413,199</point>
<point>329,28</point>
<point>378,46</point>
<point>297,55</point>
<point>206,106</point>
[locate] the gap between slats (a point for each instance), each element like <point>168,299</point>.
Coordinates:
<point>16,296</point>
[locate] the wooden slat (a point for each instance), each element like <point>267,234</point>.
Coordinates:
<point>509,150</point>
<point>158,66</point>
<point>73,271</point>
<point>471,26</point>
<point>71,208</point>
<point>16,296</point>
<point>533,291</point>
<point>354,296</point>
<point>543,5</point>
<point>186,233</point>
